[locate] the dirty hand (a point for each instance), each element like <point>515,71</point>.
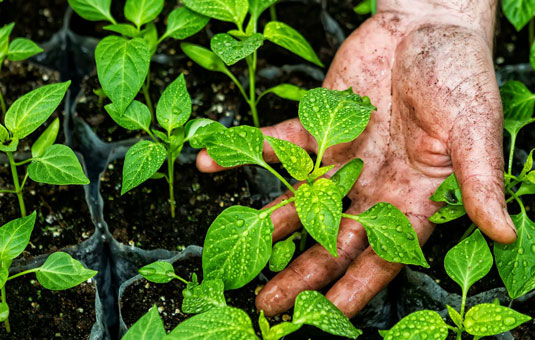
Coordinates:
<point>428,68</point>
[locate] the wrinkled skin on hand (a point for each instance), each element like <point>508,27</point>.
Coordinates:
<point>438,111</point>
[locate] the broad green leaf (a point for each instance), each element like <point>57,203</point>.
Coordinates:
<point>148,327</point>
<point>518,103</point>
<point>197,130</point>
<point>15,235</point>
<point>202,298</point>
<point>312,308</point>
<point>93,10</point>
<point>225,10</point>
<point>4,134</point>
<point>347,175</point>
<point>182,23</point>
<point>448,213</point>
<point>334,117</point>
<point>319,207</point>
<point>281,255</point>
<point>28,112</point>
<point>224,323</point>
<point>4,311</point>
<point>391,235</point>
<point>231,50</point>
<point>526,188</point>
<point>287,91</point>
<point>60,271</point>
<point>57,165</point>
<point>257,7</point>
<point>174,105</point>
<point>135,117</point>
<point>238,145</point>
<point>320,172</point>
<point>204,57</point>
<point>449,192</point>
<point>5,31</point>
<point>142,11</point>
<point>293,158</point>
<point>469,261</point>
<point>516,262</point>
<point>285,36</point>
<point>158,272</point>
<point>419,325</point>
<point>10,146</point>
<point>531,177</point>
<point>282,329</point>
<point>455,316</point>
<point>237,246</point>
<point>490,319</point>
<point>528,165</point>
<point>122,66</point>
<point>519,12</point>
<point>46,139</point>
<point>141,162</point>
<point>124,29</point>
<point>22,48</point>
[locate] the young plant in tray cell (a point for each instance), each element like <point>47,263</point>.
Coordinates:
<point>243,43</point>
<point>49,163</point>
<point>59,272</point>
<point>123,62</point>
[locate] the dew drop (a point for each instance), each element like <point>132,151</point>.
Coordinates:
<point>509,321</point>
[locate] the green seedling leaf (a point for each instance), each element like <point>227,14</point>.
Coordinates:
<point>257,7</point>
<point>158,175</point>
<point>455,316</point>
<point>449,192</point>
<point>263,324</point>
<point>516,262</point>
<point>202,298</point>
<point>158,272</point>
<point>237,246</point>
<point>519,12</point>
<point>182,23</point>
<point>162,136</point>
<point>319,207</point>
<point>14,236</point>
<point>5,31</point>
<point>528,165</point>
<point>469,261</point>
<point>60,271</point>
<point>334,117</point>
<point>419,325</point>
<point>142,12</point>
<point>30,111</point>
<point>174,106</point>
<point>122,66</point>
<point>136,117</point>
<point>9,146</point>
<point>47,138</point>
<point>4,134</point>
<point>526,188</point>
<point>126,30</point>
<point>518,103</point>
<point>204,57</point>
<point>491,319</point>
<point>150,35</point>
<point>320,172</point>
<point>224,323</point>
<point>225,10</point>
<point>293,158</point>
<point>199,129</point>
<point>282,254</point>
<point>288,91</point>
<point>176,140</point>
<point>141,162</point>
<point>285,36</point>
<point>148,327</point>
<point>347,175</point>
<point>4,274</point>
<point>391,235</point>
<point>312,308</point>
<point>282,329</point>
<point>448,213</point>
<point>57,165</point>
<point>364,7</point>
<point>21,48</point>
<point>531,177</point>
<point>532,55</point>
<point>93,10</point>
<point>4,311</point>
<point>231,50</point>
<point>235,146</point>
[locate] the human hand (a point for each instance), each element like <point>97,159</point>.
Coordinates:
<point>430,73</point>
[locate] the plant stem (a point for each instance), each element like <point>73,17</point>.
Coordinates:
<point>274,172</point>
<point>18,188</point>
<point>273,13</point>
<point>280,205</point>
<point>145,90</point>
<point>511,155</point>
<point>531,31</point>
<point>180,279</point>
<point>2,104</point>
<point>171,181</point>
<point>518,200</point>
<point>4,300</point>
<point>303,240</point>
<point>320,156</point>
<point>468,232</point>
<point>23,273</point>
<point>238,84</point>
<point>251,63</point>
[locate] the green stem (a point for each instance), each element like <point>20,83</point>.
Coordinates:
<point>518,200</point>
<point>531,31</point>
<point>23,273</point>
<point>303,241</point>
<point>5,191</point>
<point>320,156</point>
<point>251,63</point>
<point>238,84</point>
<point>180,279</point>
<point>26,161</point>
<point>16,183</point>
<point>145,90</point>
<point>4,300</point>
<point>280,205</point>
<point>274,172</point>
<point>24,181</point>
<point>3,105</point>
<point>353,217</point>
<point>511,155</point>
<point>273,13</point>
<point>468,232</point>
<point>171,181</point>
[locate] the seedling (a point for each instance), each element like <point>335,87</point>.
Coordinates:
<point>49,163</point>
<point>520,13</point>
<point>466,263</point>
<point>123,62</point>
<point>235,45</point>
<point>59,272</point>
<point>16,50</point>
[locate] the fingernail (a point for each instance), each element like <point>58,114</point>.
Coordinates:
<point>509,220</point>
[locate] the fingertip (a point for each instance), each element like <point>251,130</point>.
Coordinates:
<point>271,300</point>
<point>205,163</point>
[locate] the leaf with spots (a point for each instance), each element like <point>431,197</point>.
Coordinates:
<point>424,324</point>
<point>528,165</point>
<point>240,145</point>
<point>14,236</point>
<point>201,298</point>
<point>148,327</point>
<point>282,254</point>
<point>347,175</point>
<point>334,117</point>
<point>391,235</point>
<point>142,11</point>
<point>280,330</point>
<point>312,308</point>
<point>469,261</point>
<point>224,10</point>
<point>516,262</point>
<point>318,172</point>
<point>319,207</point>
<point>174,106</point>
<point>158,272</point>
<point>448,213</point>
<point>455,316</point>
<point>231,50</point>
<point>449,192</point>
<point>199,129</point>
<point>57,165</point>
<point>293,158</point>
<point>237,246</point>
<point>223,323</point>
<point>518,103</point>
<point>490,319</point>
<point>518,12</point>
<point>182,23</point>
<point>136,117</point>
<point>141,162</point>
<point>60,271</point>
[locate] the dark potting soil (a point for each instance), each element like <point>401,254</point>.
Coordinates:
<point>39,313</point>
